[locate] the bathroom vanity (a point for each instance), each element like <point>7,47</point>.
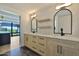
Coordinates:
<point>4,38</point>
<point>61,43</point>
<point>48,45</point>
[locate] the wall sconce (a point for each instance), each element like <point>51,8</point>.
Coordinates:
<point>64,5</point>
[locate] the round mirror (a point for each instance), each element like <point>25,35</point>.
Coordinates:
<point>63,22</point>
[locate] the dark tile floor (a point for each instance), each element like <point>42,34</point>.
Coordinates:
<point>23,51</point>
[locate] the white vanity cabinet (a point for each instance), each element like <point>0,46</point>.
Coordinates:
<point>69,48</point>
<point>52,47</point>
<point>49,46</point>
<point>61,47</point>
<point>36,43</point>
<point>42,45</point>
<point>70,51</point>
<point>27,40</point>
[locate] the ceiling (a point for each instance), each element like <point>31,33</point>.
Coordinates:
<point>27,7</point>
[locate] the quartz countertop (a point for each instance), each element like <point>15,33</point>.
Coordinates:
<point>57,36</point>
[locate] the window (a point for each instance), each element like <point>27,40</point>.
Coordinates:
<point>13,29</point>
<point>9,23</point>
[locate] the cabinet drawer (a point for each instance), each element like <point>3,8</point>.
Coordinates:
<point>34,47</point>
<point>34,39</point>
<point>42,51</point>
<point>42,45</point>
<point>42,40</point>
<point>33,43</point>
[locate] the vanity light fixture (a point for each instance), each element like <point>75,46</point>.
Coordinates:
<point>31,12</point>
<point>64,5</point>
<point>33,16</point>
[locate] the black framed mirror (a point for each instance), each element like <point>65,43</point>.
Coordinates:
<point>63,22</point>
<point>34,25</point>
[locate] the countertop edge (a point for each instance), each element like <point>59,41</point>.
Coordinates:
<point>56,37</point>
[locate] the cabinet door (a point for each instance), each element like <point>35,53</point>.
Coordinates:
<point>51,47</point>
<point>27,40</point>
<point>70,51</point>
<point>69,48</point>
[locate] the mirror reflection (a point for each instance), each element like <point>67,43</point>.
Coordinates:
<point>63,22</point>
<point>34,25</point>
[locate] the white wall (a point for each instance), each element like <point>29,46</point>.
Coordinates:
<point>46,13</point>
<point>25,26</point>
<point>49,12</point>
<point>75,17</point>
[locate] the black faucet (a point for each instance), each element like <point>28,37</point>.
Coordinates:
<point>62,32</point>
